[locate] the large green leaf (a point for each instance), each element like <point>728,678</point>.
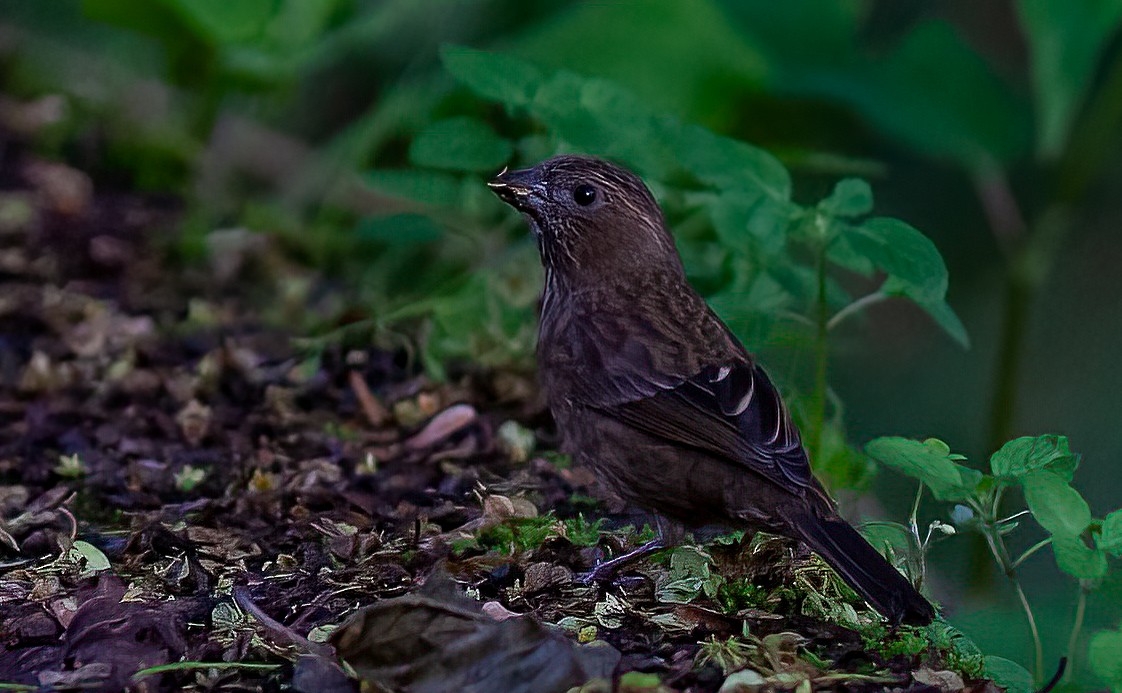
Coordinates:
<point>646,45</point>
<point>929,461</point>
<point>460,144</point>
<point>1056,505</point>
<point>931,91</point>
<point>1028,454</point>
<point>1066,40</point>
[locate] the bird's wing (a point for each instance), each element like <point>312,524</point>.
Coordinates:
<point>732,411</point>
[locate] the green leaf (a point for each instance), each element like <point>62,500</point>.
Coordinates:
<point>1110,537</point>
<point>398,229</point>
<point>1105,655</point>
<point>913,264</point>
<point>460,144</point>
<point>1011,676</point>
<point>646,45</point>
<point>1077,559</point>
<point>852,197</point>
<point>596,115</point>
<point>426,187</point>
<point>905,254</point>
<point>1056,506</point>
<point>930,462</point>
<point>729,164</point>
<point>1066,41</point>
<point>1027,454</point>
<point>503,78</point>
<point>224,22</point>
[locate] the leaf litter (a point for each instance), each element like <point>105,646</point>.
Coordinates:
<point>188,494</point>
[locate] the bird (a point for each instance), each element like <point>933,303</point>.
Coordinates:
<point>652,391</point>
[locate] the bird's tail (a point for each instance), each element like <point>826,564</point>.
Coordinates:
<point>865,570</point>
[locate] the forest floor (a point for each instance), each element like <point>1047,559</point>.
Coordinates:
<point>193,498</point>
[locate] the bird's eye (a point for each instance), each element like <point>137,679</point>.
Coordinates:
<point>584,195</point>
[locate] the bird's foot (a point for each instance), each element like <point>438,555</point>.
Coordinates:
<point>607,569</point>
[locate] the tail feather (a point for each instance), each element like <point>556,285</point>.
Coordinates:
<point>864,569</point>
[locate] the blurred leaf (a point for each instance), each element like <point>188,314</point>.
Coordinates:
<point>1056,506</point>
<point>460,144</point>
<point>427,187</point>
<point>224,22</point>
<point>1077,559</point>
<point>1027,454</point>
<point>1066,40</point>
<point>1011,676</point>
<point>1110,538</point>
<point>496,76</point>
<point>729,164</point>
<point>398,228</point>
<point>1105,652</point>
<point>914,266</point>
<point>151,18</point>
<point>645,45</point>
<point>929,461</point>
<point>852,197</point>
<point>932,92</point>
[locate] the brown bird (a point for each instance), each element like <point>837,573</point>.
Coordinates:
<point>653,392</point>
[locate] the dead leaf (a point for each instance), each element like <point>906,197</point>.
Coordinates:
<point>436,641</point>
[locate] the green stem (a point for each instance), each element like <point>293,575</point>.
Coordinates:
<point>1073,641</point>
<point>855,308</point>
<point>821,360</point>
<point>187,666</point>
<point>1033,549</point>
<point>1038,646</point>
<point>992,533</point>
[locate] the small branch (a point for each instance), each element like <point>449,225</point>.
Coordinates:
<point>1000,206</point>
<point>854,308</point>
<point>1031,550</point>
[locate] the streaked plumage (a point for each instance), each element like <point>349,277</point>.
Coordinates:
<point>651,389</point>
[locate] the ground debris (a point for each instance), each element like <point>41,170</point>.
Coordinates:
<point>181,483</point>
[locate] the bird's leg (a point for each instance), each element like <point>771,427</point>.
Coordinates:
<point>607,569</point>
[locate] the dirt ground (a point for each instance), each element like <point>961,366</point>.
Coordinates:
<point>186,484</point>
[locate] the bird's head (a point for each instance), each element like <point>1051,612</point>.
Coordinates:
<point>590,217</point>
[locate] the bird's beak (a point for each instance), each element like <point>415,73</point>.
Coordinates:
<point>519,189</point>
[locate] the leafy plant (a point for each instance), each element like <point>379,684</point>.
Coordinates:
<point>1042,468</point>
<point>766,261</point>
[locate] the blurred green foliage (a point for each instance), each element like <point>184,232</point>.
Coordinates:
<point>343,131</point>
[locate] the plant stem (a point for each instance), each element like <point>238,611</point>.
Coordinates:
<point>189,666</point>
<point>1073,641</point>
<point>1031,550</point>
<point>821,359</point>
<point>1038,646</point>
<point>992,532</point>
<point>855,308</point>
